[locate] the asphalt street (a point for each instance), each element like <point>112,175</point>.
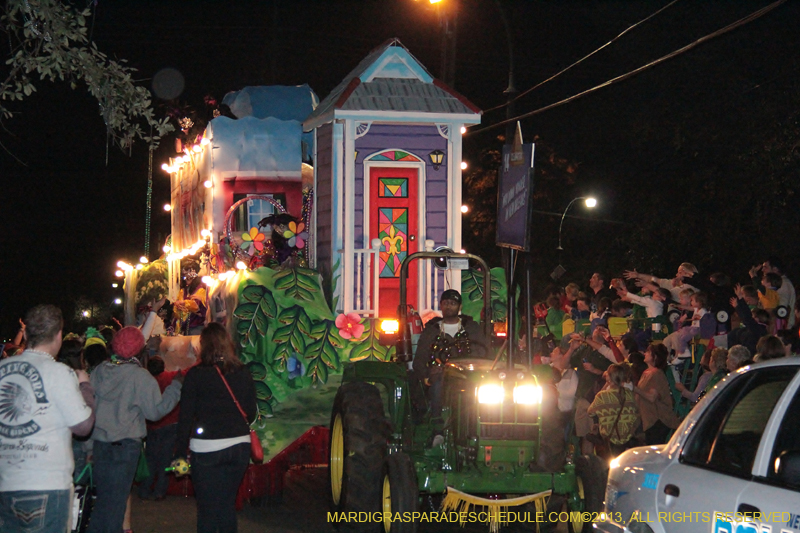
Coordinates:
<point>303,508</point>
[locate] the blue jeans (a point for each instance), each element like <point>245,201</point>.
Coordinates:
<point>436,397</point>
<point>29,511</point>
<point>158,451</point>
<point>113,471</point>
<point>216,477</point>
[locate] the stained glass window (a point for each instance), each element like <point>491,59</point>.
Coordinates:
<point>393,187</point>
<point>394,155</point>
<point>393,233</point>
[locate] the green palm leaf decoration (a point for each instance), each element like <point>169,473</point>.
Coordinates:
<point>256,306</point>
<point>369,348</point>
<point>299,283</point>
<point>472,293</point>
<point>471,285</point>
<point>317,371</point>
<point>290,336</point>
<point>324,349</point>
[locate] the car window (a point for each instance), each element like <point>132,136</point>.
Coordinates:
<point>787,440</point>
<point>727,436</point>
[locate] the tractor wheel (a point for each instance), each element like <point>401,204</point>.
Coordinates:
<point>591,477</point>
<point>400,492</point>
<point>359,431</point>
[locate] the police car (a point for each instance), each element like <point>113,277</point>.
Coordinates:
<point>732,466</point>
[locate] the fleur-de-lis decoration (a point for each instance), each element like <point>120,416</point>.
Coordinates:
<point>393,242</point>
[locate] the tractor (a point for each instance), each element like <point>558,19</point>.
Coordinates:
<point>382,463</point>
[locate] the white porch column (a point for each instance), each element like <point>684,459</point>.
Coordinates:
<point>454,199</point>
<point>349,212</point>
<point>339,221</point>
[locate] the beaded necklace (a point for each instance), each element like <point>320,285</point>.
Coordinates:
<point>117,360</point>
<point>444,346</point>
<point>39,352</point>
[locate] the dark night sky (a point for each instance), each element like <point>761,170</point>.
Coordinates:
<point>68,216</point>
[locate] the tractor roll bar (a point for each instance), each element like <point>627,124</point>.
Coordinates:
<point>404,341</point>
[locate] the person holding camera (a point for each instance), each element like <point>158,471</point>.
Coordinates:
<point>592,358</point>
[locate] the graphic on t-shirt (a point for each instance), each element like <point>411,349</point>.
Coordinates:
<point>22,397</point>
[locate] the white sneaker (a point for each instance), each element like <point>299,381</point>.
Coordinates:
<point>438,440</point>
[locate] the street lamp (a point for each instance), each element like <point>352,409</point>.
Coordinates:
<point>448,19</point>
<point>590,202</point>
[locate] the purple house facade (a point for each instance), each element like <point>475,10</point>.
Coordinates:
<point>387,181</point>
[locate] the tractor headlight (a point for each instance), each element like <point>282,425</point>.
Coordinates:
<point>528,394</point>
<point>491,394</point>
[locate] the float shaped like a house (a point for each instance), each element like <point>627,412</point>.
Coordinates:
<point>387,180</point>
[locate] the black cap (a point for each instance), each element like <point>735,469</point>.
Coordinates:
<point>450,294</point>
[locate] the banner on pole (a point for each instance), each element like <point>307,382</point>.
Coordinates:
<point>514,195</point>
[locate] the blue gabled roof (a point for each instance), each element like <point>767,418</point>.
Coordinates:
<point>390,78</point>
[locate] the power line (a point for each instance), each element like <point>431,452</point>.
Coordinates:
<point>554,76</point>
<point>741,22</point>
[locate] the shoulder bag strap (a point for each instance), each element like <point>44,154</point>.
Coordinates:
<point>239,407</point>
<point>619,414</point>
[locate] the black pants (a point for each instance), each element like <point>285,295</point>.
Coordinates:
<point>656,434</point>
<point>158,451</point>
<point>216,477</point>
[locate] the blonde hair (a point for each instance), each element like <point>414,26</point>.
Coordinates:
<point>690,267</point>
<point>572,288</point>
<point>719,358</point>
<point>619,374</point>
<point>687,292</point>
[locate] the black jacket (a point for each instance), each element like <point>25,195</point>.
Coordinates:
<point>207,404</point>
<point>752,331</point>
<point>479,344</point>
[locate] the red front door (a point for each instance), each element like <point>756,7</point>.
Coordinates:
<point>393,220</point>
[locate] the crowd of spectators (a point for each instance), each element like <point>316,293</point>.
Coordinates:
<point>78,409</point>
<point>614,387</point>
<point>631,354</point>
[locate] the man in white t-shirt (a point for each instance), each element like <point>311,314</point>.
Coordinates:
<point>557,416</point>
<point>786,294</point>
<point>42,403</point>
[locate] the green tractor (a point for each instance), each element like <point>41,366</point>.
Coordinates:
<point>382,464</point>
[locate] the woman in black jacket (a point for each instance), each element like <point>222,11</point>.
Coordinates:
<point>211,426</point>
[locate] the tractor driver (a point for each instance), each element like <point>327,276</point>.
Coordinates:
<point>453,335</point>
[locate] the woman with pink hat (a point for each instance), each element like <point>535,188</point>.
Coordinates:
<point>126,396</point>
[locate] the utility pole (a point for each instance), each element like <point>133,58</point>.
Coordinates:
<point>448,21</point>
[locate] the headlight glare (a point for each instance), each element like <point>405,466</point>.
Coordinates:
<point>491,394</point>
<point>528,394</point>
<point>390,327</point>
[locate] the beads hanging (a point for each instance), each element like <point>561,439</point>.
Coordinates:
<point>444,347</point>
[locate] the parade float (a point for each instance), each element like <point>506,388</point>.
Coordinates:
<point>299,214</point>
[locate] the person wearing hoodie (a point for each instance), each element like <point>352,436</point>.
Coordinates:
<point>453,335</point>
<point>126,396</point>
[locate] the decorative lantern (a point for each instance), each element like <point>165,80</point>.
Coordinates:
<point>437,156</point>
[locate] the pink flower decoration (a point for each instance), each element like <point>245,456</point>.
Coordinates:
<point>350,326</point>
